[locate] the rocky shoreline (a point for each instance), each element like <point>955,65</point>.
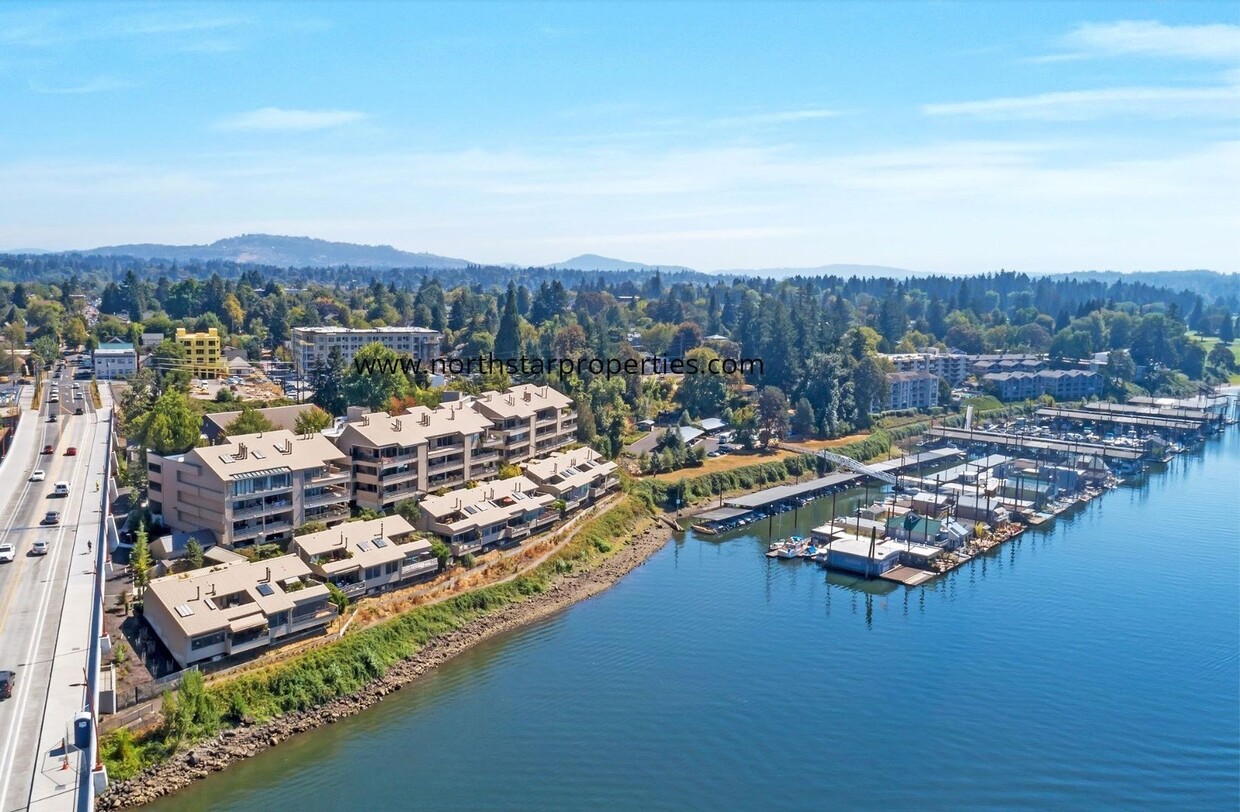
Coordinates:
<point>214,754</point>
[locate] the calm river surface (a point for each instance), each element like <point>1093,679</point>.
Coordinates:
<point>1092,665</point>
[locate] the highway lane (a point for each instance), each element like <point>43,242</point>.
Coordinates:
<point>32,588</point>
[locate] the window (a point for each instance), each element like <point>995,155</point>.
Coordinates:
<point>206,641</point>
<point>373,572</point>
<point>391,567</point>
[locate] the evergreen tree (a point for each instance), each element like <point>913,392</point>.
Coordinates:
<point>327,380</point>
<point>508,337</point>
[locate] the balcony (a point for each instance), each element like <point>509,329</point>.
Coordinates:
<point>328,496</point>
<point>329,514</point>
<point>447,449</point>
<point>419,568</point>
<point>308,621</point>
<point>251,511</point>
<point>493,439</point>
<point>545,421</point>
<point>255,530</point>
<point>446,481</point>
<point>334,475</point>
<point>390,478</point>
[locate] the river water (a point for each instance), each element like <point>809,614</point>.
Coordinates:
<point>1091,665</point>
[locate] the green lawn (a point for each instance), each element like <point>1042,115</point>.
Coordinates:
<point>1208,343</point>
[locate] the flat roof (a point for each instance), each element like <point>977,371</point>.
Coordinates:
<point>723,514</point>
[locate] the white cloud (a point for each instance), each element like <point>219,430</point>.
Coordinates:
<point>277,118</point>
<point>1082,105</point>
<point>99,84</point>
<point>781,117</point>
<point>1151,38</point>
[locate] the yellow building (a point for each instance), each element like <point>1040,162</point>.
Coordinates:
<point>202,353</point>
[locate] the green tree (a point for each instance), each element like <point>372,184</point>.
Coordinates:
<point>194,553</point>
<point>337,597</point>
<point>250,421</point>
<point>441,551</point>
<point>803,419</point>
<point>46,349</point>
<point>140,559</point>
<point>328,381</point>
<point>703,394</point>
<point>508,337</point>
<point>170,427</point>
<point>312,421</point>
<point>772,414</point>
<point>409,511</point>
<point>376,377</point>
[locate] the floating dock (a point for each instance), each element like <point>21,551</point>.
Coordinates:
<point>1020,442</point>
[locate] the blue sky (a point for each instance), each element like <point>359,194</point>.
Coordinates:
<point>958,137</point>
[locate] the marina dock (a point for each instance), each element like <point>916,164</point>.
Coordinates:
<point>1033,445</point>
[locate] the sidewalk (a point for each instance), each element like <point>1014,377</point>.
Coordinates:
<point>63,780</point>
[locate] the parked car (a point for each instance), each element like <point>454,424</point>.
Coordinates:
<point>7,553</point>
<point>7,680</point>
<point>39,475</point>
<point>52,517</point>
<point>39,548</point>
<point>70,452</point>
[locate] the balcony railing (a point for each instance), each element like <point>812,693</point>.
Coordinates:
<point>261,510</point>
<point>419,568</point>
<point>327,497</point>
<point>401,476</point>
<point>318,618</point>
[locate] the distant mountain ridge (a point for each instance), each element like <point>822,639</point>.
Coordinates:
<point>836,269</point>
<point>594,262</point>
<point>299,252</point>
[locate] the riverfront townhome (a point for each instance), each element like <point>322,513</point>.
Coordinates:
<point>395,458</point>
<point>532,420</point>
<point>236,607</point>
<point>577,477</point>
<point>364,557</point>
<point>493,514</point>
<point>252,489</point>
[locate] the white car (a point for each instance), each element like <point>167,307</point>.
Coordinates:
<point>38,476</point>
<point>7,553</point>
<point>39,548</point>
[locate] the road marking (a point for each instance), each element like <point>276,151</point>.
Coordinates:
<point>9,755</point>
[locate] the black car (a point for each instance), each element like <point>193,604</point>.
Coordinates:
<point>7,680</point>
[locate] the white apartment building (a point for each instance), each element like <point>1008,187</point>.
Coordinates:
<point>532,420</point>
<point>253,488</point>
<point>493,514</point>
<point>311,343</point>
<point>399,457</point>
<point>952,367</point>
<point>115,360</point>
<point>361,558</point>
<point>235,607</point>
<point>911,390</point>
<point>578,477</point>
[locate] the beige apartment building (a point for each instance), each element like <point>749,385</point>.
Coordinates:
<point>253,488</point>
<point>361,558</point>
<point>399,457</point>
<point>235,608</point>
<point>494,514</point>
<point>577,477</point>
<point>532,420</point>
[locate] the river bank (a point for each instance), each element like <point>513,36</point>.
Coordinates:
<point>216,753</point>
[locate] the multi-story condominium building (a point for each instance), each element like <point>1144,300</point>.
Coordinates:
<point>254,488</point>
<point>1061,384</point>
<point>577,477</point>
<point>494,514</point>
<point>311,343</point>
<point>1011,362</point>
<point>952,367</point>
<point>395,458</point>
<point>202,353</point>
<point>360,558</point>
<point>910,390</point>
<point>115,359</point>
<point>236,607</point>
<point>533,420</point>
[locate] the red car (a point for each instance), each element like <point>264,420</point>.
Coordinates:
<point>70,452</point>
<point>47,449</point>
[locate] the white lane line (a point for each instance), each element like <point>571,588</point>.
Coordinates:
<point>24,685</point>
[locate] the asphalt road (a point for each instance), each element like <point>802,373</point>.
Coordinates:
<point>32,588</point>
